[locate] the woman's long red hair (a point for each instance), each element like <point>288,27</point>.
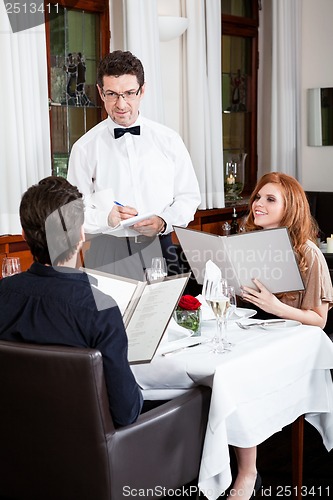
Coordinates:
<point>297,216</point>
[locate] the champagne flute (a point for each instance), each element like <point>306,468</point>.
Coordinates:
<point>231,294</point>
<point>10,266</point>
<point>206,292</point>
<point>218,301</point>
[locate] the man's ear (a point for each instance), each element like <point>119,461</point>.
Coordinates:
<point>142,91</point>
<point>23,234</point>
<point>100,92</point>
<point>83,236</point>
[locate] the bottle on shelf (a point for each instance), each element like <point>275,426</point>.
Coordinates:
<point>234,222</point>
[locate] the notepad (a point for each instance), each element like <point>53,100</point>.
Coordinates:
<point>265,254</point>
<point>124,228</point>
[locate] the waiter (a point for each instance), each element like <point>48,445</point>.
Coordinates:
<point>128,165</point>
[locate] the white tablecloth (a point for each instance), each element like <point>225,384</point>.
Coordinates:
<point>268,380</point>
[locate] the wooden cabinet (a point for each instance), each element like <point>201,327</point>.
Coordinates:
<point>210,221</point>
<point>15,246</point>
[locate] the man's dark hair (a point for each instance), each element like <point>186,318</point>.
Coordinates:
<point>52,215</point>
<point>120,63</point>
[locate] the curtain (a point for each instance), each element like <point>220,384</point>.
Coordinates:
<point>201,103</point>
<point>139,35</point>
<point>279,134</point>
<point>24,122</point>
<point>202,99</point>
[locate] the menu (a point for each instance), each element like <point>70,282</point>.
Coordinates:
<point>146,308</point>
<point>264,254</point>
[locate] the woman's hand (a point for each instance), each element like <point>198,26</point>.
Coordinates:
<point>269,303</point>
<point>262,298</point>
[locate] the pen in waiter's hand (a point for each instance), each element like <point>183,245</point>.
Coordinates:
<point>120,205</point>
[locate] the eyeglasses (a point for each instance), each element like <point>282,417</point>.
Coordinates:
<point>128,95</point>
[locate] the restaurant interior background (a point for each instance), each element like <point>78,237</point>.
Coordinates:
<point>32,154</point>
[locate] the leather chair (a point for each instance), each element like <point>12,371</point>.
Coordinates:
<point>321,203</point>
<point>58,441</point>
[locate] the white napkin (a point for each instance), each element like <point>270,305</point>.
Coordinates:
<point>212,271</point>
<point>175,332</point>
<point>206,310</point>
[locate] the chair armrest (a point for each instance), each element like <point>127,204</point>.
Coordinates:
<point>167,438</point>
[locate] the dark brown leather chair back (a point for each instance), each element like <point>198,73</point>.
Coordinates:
<point>54,422</point>
<point>58,441</point>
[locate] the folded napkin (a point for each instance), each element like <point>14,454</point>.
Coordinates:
<point>175,332</point>
<point>212,271</point>
<point>206,310</point>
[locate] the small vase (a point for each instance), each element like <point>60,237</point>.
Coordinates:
<point>189,319</point>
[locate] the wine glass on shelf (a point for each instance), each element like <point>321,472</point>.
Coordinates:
<point>215,296</point>
<point>10,266</point>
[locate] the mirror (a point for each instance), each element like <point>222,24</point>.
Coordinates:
<point>320,117</point>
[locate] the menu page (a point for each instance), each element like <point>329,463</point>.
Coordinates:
<point>151,317</point>
<point>122,290</point>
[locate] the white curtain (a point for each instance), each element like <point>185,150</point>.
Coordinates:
<point>139,35</point>
<point>24,121</point>
<point>279,95</point>
<point>202,100</point>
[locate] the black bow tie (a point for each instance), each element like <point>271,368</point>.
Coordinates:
<point>119,132</point>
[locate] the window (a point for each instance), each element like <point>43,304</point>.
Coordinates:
<point>239,84</point>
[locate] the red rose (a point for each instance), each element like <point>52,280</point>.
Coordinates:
<point>188,302</point>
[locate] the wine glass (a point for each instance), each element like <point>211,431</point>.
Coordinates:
<point>206,292</point>
<point>158,268</point>
<point>231,294</point>
<point>153,276</point>
<point>216,298</point>
<point>10,266</point>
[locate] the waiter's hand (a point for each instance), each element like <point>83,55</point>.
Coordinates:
<point>119,213</point>
<point>150,227</point>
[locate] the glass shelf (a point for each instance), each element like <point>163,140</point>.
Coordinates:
<point>75,103</point>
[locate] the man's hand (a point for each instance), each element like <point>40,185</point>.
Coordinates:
<point>150,227</point>
<point>119,213</point>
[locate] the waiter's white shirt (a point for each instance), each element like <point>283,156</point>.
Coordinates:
<point>151,172</point>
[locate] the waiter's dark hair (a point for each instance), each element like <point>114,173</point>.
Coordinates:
<point>120,63</point>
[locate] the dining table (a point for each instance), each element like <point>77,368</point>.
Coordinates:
<point>271,376</point>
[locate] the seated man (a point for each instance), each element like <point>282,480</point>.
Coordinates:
<point>53,303</point>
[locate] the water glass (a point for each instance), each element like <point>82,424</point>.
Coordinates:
<point>153,275</point>
<point>159,267</point>
<point>10,266</point>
